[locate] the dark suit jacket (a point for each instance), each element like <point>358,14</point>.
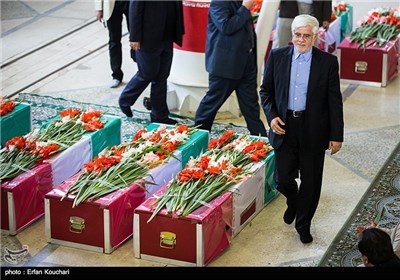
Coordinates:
<point>324,106</point>
<point>147,21</point>
<point>227,42</point>
<point>322,10</point>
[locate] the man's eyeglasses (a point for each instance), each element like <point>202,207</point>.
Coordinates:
<point>305,36</point>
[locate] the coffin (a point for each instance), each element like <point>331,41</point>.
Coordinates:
<point>23,196</point>
<point>373,66</point>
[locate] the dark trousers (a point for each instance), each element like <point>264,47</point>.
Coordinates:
<point>153,67</point>
<point>114,25</point>
<point>246,91</point>
<point>293,158</point>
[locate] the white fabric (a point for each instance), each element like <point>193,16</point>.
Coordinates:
<point>107,6</point>
<point>163,174</point>
<point>70,161</point>
<point>265,23</point>
<point>330,38</point>
<point>245,194</point>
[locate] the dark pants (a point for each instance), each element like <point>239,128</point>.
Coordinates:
<point>114,24</point>
<point>153,67</point>
<point>292,158</point>
<point>246,91</point>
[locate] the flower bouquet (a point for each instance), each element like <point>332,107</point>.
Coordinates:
<point>255,10</point>
<point>379,27</point>
<point>6,106</point>
<point>119,166</point>
<point>24,152</point>
<point>195,216</point>
<point>228,161</point>
<point>99,201</point>
<point>15,119</point>
<point>338,10</point>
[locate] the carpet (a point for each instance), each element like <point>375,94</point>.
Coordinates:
<point>380,202</point>
<point>45,107</point>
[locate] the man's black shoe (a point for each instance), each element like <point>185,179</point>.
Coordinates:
<point>127,111</point>
<point>147,103</point>
<point>289,215</point>
<point>306,237</point>
<point>166,121</point>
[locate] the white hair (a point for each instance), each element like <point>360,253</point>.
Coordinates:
<point>305,20</point>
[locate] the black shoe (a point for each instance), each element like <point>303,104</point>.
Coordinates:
<point>306,237</point>
<point>166,121</point>
<point>289,215</point>
<point>127,111</point>
<point>147,103</point>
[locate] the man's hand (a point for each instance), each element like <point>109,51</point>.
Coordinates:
<point>248,4</point>
<point>134,45</point>
<point>276,126</point>
<point>99,15</point>
<point>334,147</point>
<point>360,229</point>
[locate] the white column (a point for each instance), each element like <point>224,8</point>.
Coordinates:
<point>264,26</point>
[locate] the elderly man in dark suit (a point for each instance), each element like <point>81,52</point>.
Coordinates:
<point>231,64</point>
<point>153,28</point>
<point>301,97</point>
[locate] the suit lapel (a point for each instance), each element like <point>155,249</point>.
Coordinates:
<point>313,79</point>
<point>286,64</point>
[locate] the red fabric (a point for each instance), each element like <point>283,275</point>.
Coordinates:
<point>216,221</point>
<point>28,190</point>
<point>120,205</point>
<point>195,15</point>
<point>373,55</point>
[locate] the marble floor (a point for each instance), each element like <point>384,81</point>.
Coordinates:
<point>372,130</point>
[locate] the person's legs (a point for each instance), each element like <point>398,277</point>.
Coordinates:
<point>114,25</point>
<point>287,165</point>
<point>283,33</point>
<point>247,95</point>
<point>219,91</point>
<point>148,67</point>
<point>286,172</point>
<point>158,92</point>
<point>311,169</point>
<point>305,8</point>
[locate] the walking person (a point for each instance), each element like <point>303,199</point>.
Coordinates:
<point>154,27</point>
<point>111,12</point>
<point>301,97</point>
<point>231,63</point>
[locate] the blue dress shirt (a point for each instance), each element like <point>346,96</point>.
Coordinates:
<point>299,74</point>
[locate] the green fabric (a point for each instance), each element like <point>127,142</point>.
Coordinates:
<point>109,135</point>
<point>16,123</point>
<point>194,146</point>
<point>346,25</point>
<point>270,184</point>
<point>270,191</point>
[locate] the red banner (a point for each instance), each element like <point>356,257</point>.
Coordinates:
<point>195,19</point>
